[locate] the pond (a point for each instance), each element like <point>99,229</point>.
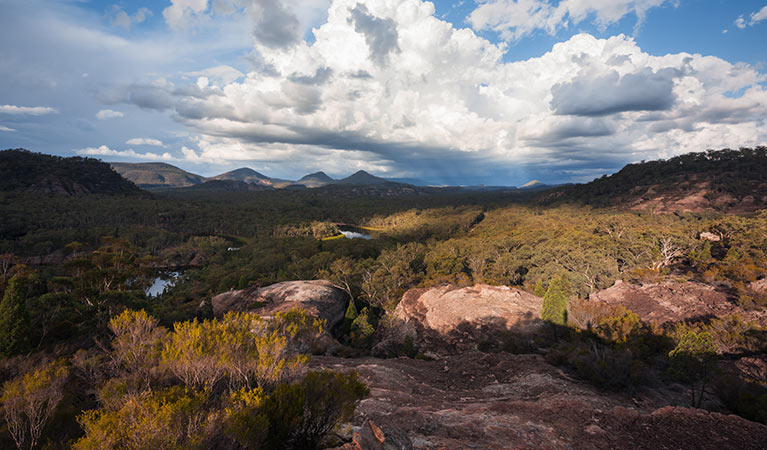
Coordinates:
<point>350,232</point>
<point>162,283</point>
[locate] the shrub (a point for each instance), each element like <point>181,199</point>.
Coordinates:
<point>168,419</point>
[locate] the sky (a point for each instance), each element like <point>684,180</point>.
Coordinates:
<point>494,92</point>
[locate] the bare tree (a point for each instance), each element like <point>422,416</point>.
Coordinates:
<point>668,253</point>
<point>30,399</point>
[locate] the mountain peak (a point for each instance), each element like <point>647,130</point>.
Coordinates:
<point>318,176</point>
<point>362,177</point>
<point>531,183</point>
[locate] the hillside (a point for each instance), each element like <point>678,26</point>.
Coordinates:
<point>156,175</point>
<point>22,170</point>
<point>246,175</point>
<point>316,179</point>
<point>363,178</point>
<point>722,180</point>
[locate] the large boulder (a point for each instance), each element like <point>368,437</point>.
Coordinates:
<point>320,298</point>
<point>450,318</point>
<point>673,301</point>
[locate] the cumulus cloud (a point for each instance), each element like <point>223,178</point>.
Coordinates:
<point>602,95</point>
<point>754,19</point>
<point>106,114</point>
<point>513,19</point>
<point>380,34</point>
<point>130,153</point>
<point>275,23</point>
<point>442,103</point>
<point>27,110</point>
<point>124,20</point>
<point>145,141</point>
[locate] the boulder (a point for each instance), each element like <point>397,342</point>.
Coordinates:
<point>673,301</point>
<point>320,298</point>
<point>449,318</point>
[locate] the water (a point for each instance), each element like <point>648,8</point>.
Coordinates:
<point>162,283</point>
<point>355,235</point>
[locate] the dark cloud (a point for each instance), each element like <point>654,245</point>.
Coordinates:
<point>276,26</point>
<point>321,76</point>
<point>380,34</point>
<point>601,96</point>
<point>150,97</point>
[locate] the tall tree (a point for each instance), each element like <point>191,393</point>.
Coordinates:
<point>554,307</point>
<point>14,319</point>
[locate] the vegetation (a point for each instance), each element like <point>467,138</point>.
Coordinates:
<point>74,273</point>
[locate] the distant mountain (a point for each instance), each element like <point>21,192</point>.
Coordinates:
<point>226,186</point>
<point>156,175</point>
<point>363,178</point>
<point>22,170</point>
<point>316,179</point>
<point>530,184</point>
<point>246,175</point>
<point>723,180</point>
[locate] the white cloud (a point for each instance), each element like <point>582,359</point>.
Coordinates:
<point>445,101</point>
<point>106,114</point>
<point>28,110</point>
<point>4,128</point>
<point>145,141</point>
<point>759,16</point>
<point>513,19</point>
<point>130,153</point>
<point>124,20</point>
<point>754,19</point>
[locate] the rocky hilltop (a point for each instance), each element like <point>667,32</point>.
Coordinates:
<point>732,181</point>
<point>24,171</point>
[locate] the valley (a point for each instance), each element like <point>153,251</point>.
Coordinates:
<point>613,314</point>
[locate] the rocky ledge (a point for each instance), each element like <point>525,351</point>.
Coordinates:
<point>504,401</point>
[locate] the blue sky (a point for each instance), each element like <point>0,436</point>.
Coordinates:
<point>468,92</point>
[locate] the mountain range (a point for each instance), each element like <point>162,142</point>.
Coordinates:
<point>164,176</point>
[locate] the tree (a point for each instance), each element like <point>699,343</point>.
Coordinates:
<point>693,361</point>
<point>554,308</point>
<point>30,399</point>
<point>14,319</point>
<point>137,343</point>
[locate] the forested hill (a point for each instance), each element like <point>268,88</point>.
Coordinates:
<point>24,171</point>
<point>722,180</point>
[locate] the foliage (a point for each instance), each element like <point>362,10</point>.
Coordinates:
<point>693,361</point>
<point>554,307</point>
<point>30,399</point>
<point>300,414</point>
<point>14,319</point>
<point>168,419</point>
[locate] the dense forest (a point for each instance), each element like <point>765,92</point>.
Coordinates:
<point>89,355</point>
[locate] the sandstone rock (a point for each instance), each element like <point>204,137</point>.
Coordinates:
<point>710,237</point>
<point>673,302</point>
<point>319,298</point>
<point>449,317</point>
<point>505,401</point>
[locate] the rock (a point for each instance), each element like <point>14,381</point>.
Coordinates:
<point>450,318</point>
<point>319,298</point>
<point>673,302</point>
<point>506,401</point>
<point>710,237</point>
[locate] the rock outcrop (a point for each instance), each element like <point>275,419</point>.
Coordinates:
<point>319,298</point>
<point>504,401</point>
<point>673,302</point>
<point>451,318</point>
